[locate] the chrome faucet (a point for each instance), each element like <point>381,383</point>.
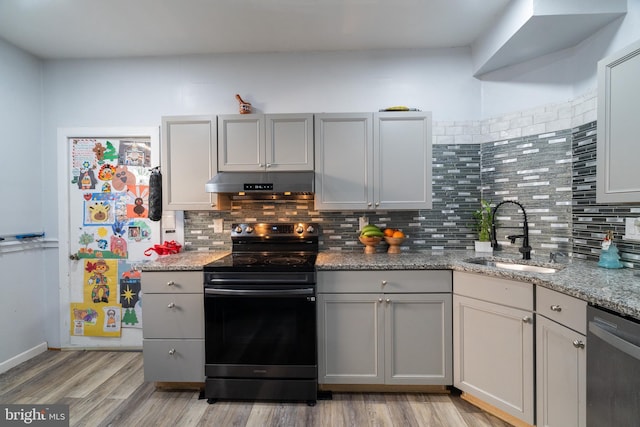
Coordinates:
<point>525,250</point>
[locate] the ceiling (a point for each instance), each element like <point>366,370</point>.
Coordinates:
<point>55,29</point>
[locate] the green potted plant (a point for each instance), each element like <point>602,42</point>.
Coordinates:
<point>483,218</point>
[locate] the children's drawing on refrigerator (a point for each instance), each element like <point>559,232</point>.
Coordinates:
<point>110,229</point>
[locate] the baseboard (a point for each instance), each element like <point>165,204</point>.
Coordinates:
<point>383,388</point>
<point>22,357</point>
<point>499,413</point>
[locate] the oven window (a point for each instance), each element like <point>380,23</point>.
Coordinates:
<point>260,331</point>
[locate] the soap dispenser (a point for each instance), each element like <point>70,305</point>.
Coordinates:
<point>609,257</point>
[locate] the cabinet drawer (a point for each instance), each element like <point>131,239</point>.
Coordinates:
<point>173,316</point>
<point>172,282</point>
<point>500,291</point>
<point>388,281</point>
<point>173,360</point>
<point>564,309</point>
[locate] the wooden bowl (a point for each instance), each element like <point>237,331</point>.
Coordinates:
<point>394,244</point>
<point>370,244</point>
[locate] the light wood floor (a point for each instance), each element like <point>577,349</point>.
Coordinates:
<point>106,388</point>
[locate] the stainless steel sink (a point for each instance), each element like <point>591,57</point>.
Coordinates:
<point>514,266</point>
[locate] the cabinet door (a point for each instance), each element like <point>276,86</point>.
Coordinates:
<point>173,360</point>
<point>173,316</point>
<point>618,176</point>
<point>418,339</point>
<point>350,335</point>
<point>493,355</point>
<point>343,155</point>
<point>189,160</point>
<point>561,375</point>
<point>241,142</point>
<point>289,142</point>
<point>402,160</point>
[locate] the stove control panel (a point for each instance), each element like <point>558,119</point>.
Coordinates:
<point>299,229</point>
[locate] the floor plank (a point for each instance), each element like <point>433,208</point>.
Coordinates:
<point>107,389</point>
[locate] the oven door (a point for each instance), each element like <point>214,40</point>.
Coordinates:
<point>263,331</point>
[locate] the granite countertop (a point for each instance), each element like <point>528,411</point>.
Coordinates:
<point>615,289</point>
<point>183,261</point>
<point>618,290</point>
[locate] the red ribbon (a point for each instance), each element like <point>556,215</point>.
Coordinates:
<point>167,248</point>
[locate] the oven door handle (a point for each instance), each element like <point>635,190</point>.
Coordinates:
<point>259,292</point>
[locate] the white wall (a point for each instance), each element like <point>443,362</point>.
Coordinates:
<point>23,303</point>
<point>559,76</point>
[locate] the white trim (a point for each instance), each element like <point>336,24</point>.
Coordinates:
<point>23,357</point>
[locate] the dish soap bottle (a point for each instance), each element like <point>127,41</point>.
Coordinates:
<point>609,257</point>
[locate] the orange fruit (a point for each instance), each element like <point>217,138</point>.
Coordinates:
<point>397,234</point>
<point>388,232</point>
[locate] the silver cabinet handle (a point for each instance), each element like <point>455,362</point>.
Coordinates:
<point>556,307</point>
<point>172,352</point>
<point>369,204</point>
<point>388,300</point>
<point>384,282</point>
<point>268,165</point>
<point>526,319</point>
<point>379,299</point>
<point>171,283</point>
<point>377,203</point>
<point>171,305</point>
<point>578,344</point>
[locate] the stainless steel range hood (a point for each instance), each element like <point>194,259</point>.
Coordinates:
<point>256,185</point>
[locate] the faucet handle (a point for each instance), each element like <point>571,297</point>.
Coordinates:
<point>513,237</point>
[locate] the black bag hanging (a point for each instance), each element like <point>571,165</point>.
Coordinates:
<point>155,194</point>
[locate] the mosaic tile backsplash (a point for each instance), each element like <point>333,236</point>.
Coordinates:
<point>552,175</point>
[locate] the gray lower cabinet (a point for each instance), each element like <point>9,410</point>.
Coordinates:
<point>384,327</point>
<point>493,335</point>
<point>561,356</point>
<point>173,326</point>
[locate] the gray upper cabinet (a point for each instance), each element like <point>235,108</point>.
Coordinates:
<point>271,142</point>
<point>402,160</point>
<point>618,176</point>
<point>189,159</point>
<point>368,161</point>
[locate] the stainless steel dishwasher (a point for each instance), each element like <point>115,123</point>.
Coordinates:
<point>613,369</point>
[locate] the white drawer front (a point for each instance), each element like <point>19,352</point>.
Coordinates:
<point>173,316</point>
<point>391,281</point>
<point>499,291</point>
<point>154,282</point>
<point>173,360</point>
<point>564,309</point>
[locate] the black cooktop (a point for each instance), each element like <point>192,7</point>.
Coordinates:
<point>264,261</point>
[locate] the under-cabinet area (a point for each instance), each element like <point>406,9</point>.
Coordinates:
<point>384,327</point>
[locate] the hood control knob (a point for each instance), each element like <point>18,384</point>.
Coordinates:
<point>310,229</point>
<point>238,229</point>
<point>249,229</point>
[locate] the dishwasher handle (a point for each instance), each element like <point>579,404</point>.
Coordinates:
<point>603,332</point>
